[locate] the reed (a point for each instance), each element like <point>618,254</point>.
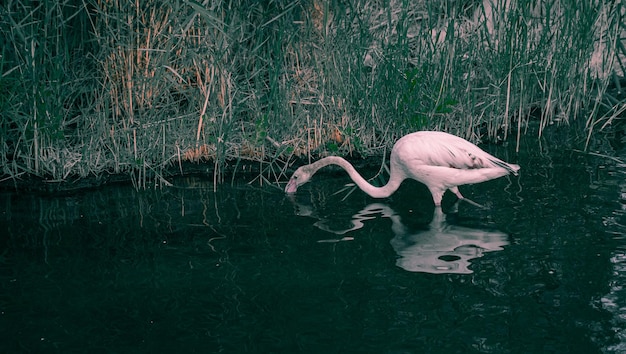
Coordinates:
<point>141,88</point>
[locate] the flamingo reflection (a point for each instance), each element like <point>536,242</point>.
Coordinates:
<point>443,248</point>
<point>440,248</point>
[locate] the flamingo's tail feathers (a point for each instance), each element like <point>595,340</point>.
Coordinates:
<point>512,168</point>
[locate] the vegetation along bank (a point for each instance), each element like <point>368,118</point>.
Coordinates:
<point>147,89</point>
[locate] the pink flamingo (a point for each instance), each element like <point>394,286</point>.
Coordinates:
<point>439,160</point>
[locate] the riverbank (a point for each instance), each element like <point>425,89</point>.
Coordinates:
<point>109,90</point>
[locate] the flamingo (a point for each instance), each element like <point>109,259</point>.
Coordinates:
<point>439,160</point>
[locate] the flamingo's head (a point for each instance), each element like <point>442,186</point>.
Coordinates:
<point>300,177</point>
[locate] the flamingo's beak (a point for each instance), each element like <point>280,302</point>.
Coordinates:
<point>291,187</point>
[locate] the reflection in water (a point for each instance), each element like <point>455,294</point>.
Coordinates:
<point>441,248</point>
<point>614,301</point>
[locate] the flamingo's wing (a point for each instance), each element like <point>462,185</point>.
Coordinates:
<point>446,150</point>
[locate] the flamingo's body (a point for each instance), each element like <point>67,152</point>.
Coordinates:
<point>439,160</point>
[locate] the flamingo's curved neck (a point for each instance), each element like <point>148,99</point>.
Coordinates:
<point>395,178</point>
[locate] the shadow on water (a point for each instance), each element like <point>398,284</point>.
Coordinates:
<point>247,269</point>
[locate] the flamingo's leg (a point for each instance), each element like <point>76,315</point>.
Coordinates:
<point>475,204</point>
<point>437,196</point>
<point>455,190</point>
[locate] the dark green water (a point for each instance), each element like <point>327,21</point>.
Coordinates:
<point>248,269</point>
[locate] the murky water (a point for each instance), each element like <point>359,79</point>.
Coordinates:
<point>248,269</point>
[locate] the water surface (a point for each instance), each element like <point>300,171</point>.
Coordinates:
<point>248,269</point>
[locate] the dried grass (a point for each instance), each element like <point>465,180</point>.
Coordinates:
<point>112,86</point>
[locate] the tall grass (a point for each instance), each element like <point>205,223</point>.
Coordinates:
<point>137,88</point>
